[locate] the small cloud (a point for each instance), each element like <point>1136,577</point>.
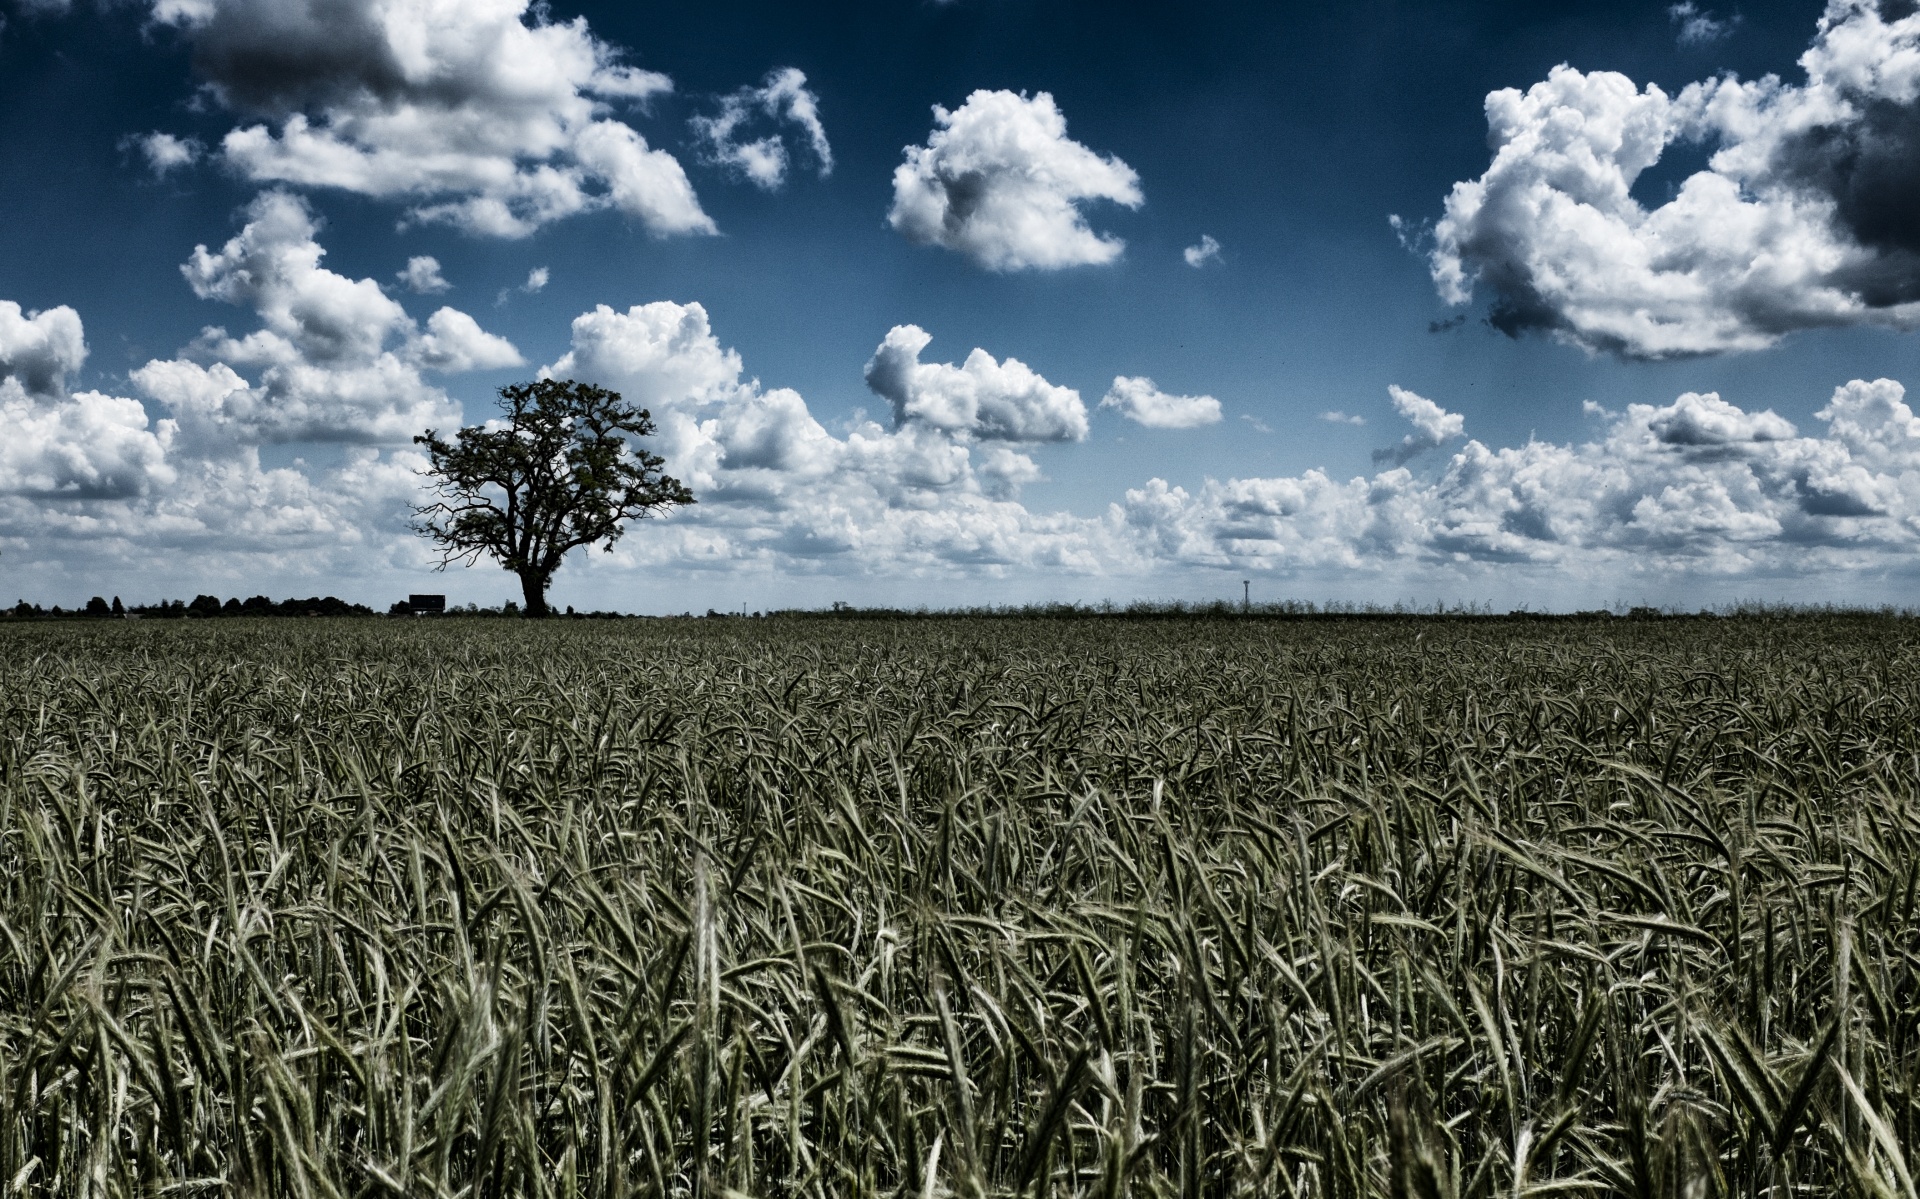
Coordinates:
<point>1433,426</point>
<point>1448,325</point>
<point>166,153</point>
<point>536,280</point>
<point>455,342</point>
<point>1139,400</point>
<point>1593,409</point>
<point>1257,423</point>
<point>1697,26</point>
<point>422,276</point>
<point>1415,237</point>
<point>783,97</point>
<point>1335,417</point>
<point>1207,251</point>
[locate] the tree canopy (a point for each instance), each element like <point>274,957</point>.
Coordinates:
<point>560,471</point>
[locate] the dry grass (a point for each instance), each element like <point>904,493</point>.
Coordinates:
<point>985,909</point>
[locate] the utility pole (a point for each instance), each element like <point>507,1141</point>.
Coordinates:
<point>1246,595</point>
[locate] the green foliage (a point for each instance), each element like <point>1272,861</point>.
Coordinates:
<point>773,908</point>
<point>560,473</point>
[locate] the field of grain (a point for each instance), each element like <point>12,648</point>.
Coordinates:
<point>975,908</point>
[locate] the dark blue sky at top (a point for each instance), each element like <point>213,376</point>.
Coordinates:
<point>1287,132</point>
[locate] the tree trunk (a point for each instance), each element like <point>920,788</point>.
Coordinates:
<point>533,588</point>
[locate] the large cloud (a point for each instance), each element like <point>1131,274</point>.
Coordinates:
<point>1000,181</point>
<point>661,355</point>
<point>60,446</point>
<point>1807,214</point>
<point>482,114</point>
<point>1697,485</point>
<point>777,489</point>
<point>336,359</point>
<point>39,350</point>
<point>981,398</point>
<point>87,481</point>
<point>229,523</point>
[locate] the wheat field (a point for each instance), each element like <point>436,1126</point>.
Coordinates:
<point>922,907</point>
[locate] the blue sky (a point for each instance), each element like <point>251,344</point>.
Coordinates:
<point>1645,338</point>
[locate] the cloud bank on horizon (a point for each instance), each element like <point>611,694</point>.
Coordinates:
<point>495,119</point>
<point>1697,485</point>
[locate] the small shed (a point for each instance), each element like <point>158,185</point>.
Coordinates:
<point>425,605</point>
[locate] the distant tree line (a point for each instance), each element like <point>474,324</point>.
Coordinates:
<point>403,608</point>
<point>203,607</point>
<point>200,607</point>
<point>206,607</point>
<point>1336,611</point>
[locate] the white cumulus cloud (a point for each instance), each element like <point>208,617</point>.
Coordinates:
<point>63,446</point>
<point>38,350</point>
<point>1697,488</point>
<point>230,523</point>
<point>661,355</point>
<point>1699,485</point>
<point>993,401</point>
<point>1433,426</point>
<point>335,359</point>
<point>455,342</point>
<point>90,484</point>
<point>1807,214</point>
<point>166,153</point>
<point>780,491</point>
<point>1000,181</point>
<point>486,114</point>
<point>85,446</point>
<point>422,276</point>
<point>1137,398</point>
<point>783,98</point>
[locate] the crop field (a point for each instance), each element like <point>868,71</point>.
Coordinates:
<point>922,907</point>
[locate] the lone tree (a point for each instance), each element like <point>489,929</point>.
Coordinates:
<point>559,472</point>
